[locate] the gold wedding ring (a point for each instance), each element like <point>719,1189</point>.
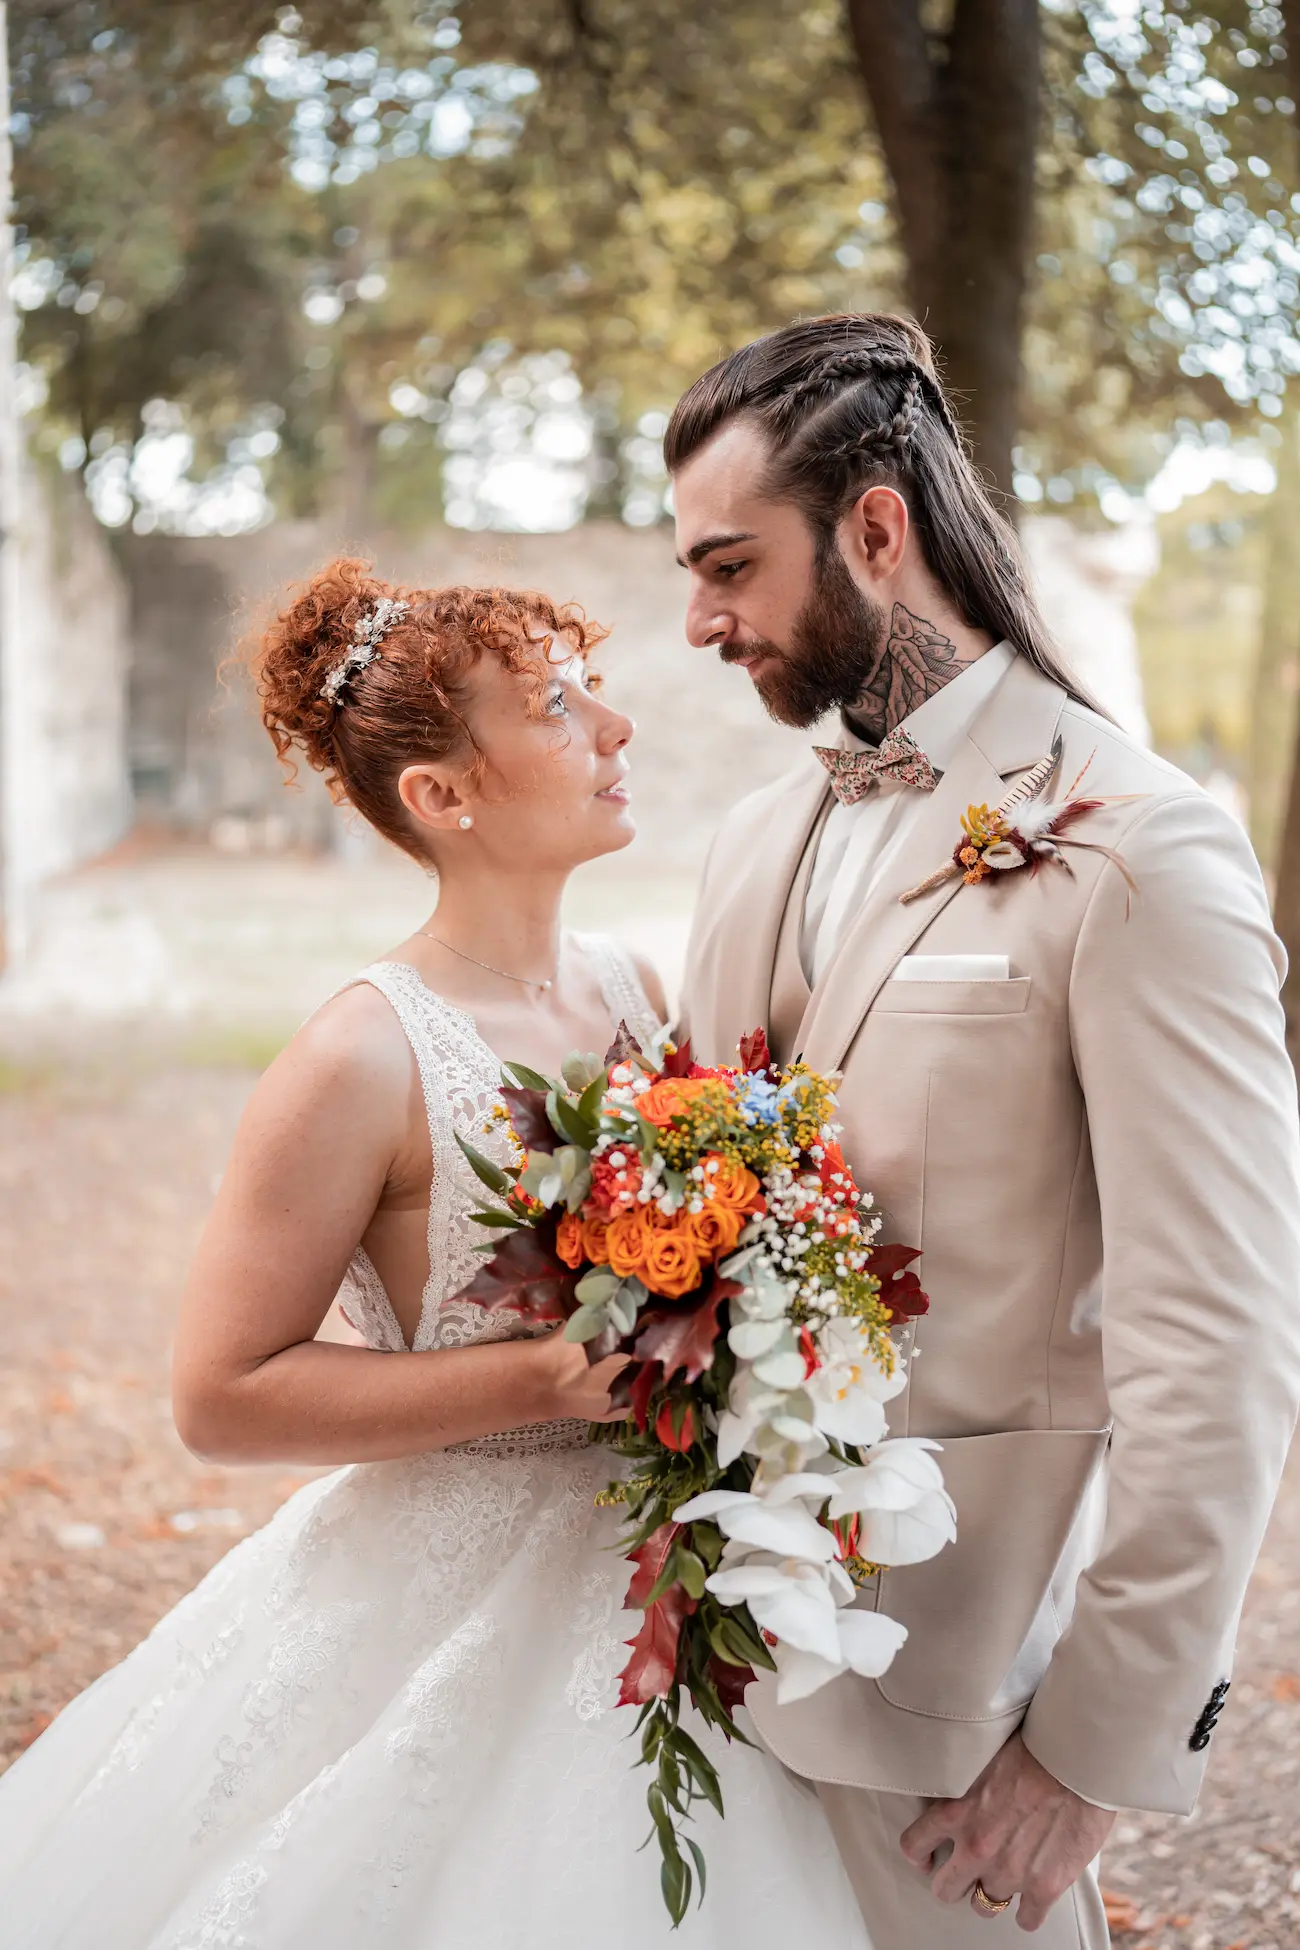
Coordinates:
<point>985,1904</point>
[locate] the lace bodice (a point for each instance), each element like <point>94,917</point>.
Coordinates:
<point>460,1077</point>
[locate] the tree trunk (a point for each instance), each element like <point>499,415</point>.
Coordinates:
<point>1277,663</point>
<point>11,922</point>
<point>1286,900</point>
<point>958,123</point>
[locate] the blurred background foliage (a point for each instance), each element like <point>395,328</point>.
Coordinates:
<point>353,256</point>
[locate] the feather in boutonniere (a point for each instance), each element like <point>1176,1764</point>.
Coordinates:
<point>1023,831</point>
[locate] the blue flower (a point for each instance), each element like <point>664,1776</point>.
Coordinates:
<point>757,1099</point>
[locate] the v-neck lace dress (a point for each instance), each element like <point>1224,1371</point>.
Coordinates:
<point>385,1721</point>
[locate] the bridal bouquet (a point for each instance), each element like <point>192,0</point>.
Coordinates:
<point>705,1223</point>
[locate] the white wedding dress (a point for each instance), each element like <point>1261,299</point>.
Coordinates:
<point>386,1718</point>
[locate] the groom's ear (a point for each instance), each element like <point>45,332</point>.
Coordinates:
<point>873,534</point>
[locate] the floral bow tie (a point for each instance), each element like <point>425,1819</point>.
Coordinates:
<point>899,760</point>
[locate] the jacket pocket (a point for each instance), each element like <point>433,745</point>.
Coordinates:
<point>970,1610</point>
<point>993,998</point>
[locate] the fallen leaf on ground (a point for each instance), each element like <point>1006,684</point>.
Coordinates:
<point>1122,1912</point>
<point>1286,1688</point>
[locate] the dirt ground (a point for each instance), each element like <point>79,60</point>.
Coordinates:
<point>107,1165</point>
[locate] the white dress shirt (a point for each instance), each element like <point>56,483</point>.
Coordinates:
<point>857,841</point>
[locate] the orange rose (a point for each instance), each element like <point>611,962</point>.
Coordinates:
<point>626,1240</point>
<point>568,1239</point>
<point>595,1240</point>
<point>672,1263</point>
<point>716,1229</point>
<point>731,1184</point>
<point>668,1099</point>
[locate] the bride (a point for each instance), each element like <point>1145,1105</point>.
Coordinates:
<point>386,1719</point>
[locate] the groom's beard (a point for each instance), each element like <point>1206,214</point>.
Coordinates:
<point>836,642</point>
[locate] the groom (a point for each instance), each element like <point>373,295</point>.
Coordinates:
<point>1067,1083</point>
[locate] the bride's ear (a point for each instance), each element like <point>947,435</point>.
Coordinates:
<point>433,797</point>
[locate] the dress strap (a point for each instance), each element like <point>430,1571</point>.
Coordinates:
<point>621,986</point>
<point>429,1024</point>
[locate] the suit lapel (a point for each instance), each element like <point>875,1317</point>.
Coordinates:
<point>1014,730</point>
<point>757,901</point>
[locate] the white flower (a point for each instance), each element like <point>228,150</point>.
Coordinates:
<point>769,1522</point>
<point>787,1597</point>
<point>867,1643</point>
<point>850,1386</point>
<point>906,1513</point>
<point>1003,856</point>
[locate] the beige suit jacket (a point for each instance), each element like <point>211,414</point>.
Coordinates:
<point>1100,1160</point>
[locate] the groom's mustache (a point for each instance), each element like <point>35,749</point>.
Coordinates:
<point>748,653</point>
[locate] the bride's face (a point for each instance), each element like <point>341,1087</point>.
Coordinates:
<point>550,788</point>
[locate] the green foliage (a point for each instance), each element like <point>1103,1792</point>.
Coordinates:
<point>629,184</point>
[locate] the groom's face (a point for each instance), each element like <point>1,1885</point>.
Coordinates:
<point>765,592</point>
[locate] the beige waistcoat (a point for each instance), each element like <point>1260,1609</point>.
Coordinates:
<point>1100,1160</point>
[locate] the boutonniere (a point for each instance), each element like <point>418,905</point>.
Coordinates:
<point>1023,831</point>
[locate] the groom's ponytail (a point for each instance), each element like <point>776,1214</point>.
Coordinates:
<point>854,399</point>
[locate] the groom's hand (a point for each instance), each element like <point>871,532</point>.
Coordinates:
<point>1017,1831</point>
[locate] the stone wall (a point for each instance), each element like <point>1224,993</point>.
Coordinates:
<point>66,790</point>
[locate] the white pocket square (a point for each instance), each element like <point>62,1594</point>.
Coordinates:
<point>953,968</point>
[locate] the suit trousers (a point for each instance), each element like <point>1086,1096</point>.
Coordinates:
<point>895,1898</point>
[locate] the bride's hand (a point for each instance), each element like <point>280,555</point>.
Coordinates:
<point>573,1387</point>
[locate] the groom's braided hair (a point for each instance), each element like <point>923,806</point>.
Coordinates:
<point>854,401</point>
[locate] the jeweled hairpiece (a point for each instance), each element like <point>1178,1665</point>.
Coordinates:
<point>369,633</point>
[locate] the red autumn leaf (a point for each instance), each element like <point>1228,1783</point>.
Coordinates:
<point>528,1115</point>
<point>624,1045</point>
<point>652,1667</point>
<point>678,1062</point>
<point>674,1431</point>
<point>647,1379</point>
<point>528,1276</point>
<point>649,1559</point>
<point>900,1290</point>
<point>755,1056</point>
<point>730,1682</point>
<point>684,1339</point>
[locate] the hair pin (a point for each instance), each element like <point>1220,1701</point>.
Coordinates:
<point>371,629</point>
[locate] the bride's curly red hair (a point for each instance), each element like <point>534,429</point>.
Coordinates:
<point>409,704</point>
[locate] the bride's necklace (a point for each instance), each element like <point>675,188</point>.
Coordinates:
<point>526,981</point>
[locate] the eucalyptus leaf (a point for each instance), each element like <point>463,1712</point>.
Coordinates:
<point>622,1313</point>
<point>580,1071</point>
<point>585,1324</point>
<point>598,1285</point>
<point>576,1190</point>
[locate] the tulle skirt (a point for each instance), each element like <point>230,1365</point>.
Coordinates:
<point>386,1720</point>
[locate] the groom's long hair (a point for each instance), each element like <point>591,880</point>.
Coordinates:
<point>852,400</point>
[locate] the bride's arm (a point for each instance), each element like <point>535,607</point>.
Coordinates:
<point>323,1134</point>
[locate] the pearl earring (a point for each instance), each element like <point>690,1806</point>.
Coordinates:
<point>465,822</point>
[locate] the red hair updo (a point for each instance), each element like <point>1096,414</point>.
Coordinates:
<point>409,703</point>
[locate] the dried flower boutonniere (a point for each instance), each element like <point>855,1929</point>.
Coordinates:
<point>1023,831</point>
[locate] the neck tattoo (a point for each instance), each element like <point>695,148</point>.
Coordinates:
<point>915,661</point>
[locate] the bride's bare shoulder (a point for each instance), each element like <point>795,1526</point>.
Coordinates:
<point>353,1049</point>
